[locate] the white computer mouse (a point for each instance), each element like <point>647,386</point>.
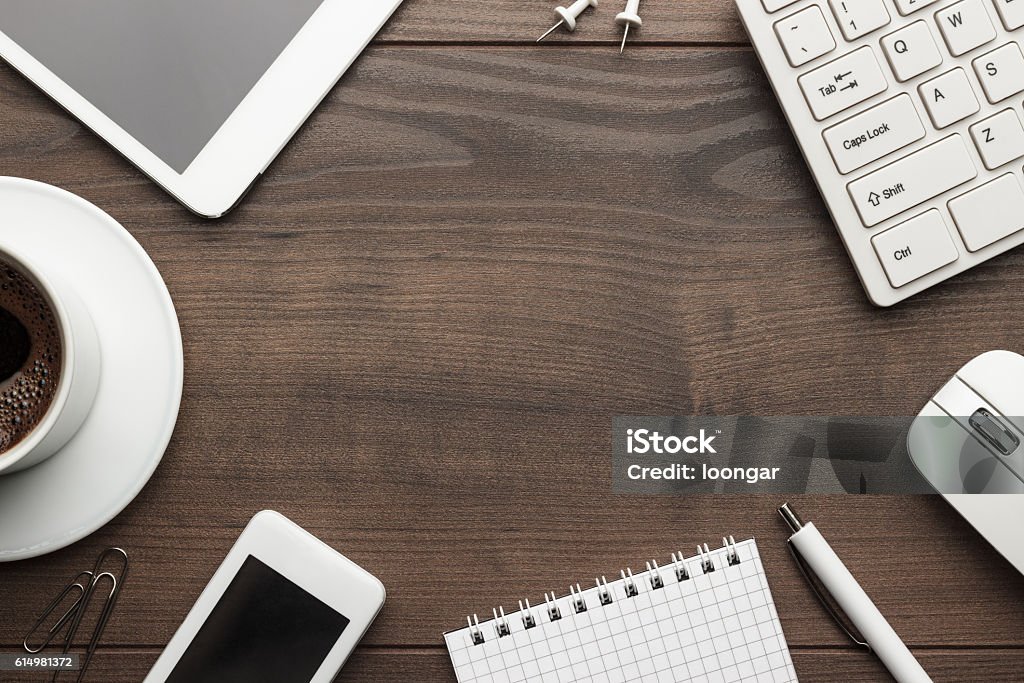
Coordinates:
<point>968,442</point>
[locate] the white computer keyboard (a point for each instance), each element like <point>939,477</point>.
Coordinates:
<point>909,114</point>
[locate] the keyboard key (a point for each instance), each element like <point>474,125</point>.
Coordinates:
<point>776,5</point>
<point>915,248</point>
<point>989,213</point>
<point>912,180</point>
<point>843,83</point>
<point>1001,72</point>
<point>906,7</point>
<point>949,98</point>
<point>999,139</point>
<point>965,26</point>
<point>872,134</point>
<point>916,118</point>
<point>858,18</point>
<point>1011,12</point>
<point>805,36</point>
<point>911,51</point>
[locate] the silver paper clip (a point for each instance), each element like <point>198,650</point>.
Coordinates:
<point>78,586</point>
<point>84,587</point>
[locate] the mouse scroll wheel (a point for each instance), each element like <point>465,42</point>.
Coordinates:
<point>994,432</point>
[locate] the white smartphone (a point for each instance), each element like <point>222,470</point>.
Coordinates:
<point>282,608</point>
<point>201,95</point>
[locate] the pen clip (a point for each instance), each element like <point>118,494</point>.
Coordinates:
<point>809,577</point>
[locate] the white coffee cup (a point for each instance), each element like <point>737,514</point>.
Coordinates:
<point>80,366</point>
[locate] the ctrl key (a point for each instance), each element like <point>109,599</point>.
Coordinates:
<point>915,248</point>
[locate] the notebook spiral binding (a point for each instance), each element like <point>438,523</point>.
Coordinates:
<point>529,614</point>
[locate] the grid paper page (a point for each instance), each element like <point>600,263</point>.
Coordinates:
<point>716,627</point>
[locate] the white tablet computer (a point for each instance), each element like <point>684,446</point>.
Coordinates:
<point>282,608</point>
<point>200,95</point>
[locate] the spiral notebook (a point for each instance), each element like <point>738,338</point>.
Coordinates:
<point>708,618</point>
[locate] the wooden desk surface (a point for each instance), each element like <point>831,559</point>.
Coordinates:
<point>412,335</point>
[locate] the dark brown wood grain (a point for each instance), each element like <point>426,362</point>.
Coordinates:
<point>512,21</point>
<point>377,665</point>
<point>413,334</point>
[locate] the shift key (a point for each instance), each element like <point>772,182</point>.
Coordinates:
<point>912,180</point>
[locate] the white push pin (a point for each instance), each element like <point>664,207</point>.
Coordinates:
<point>630,18</point>
<point>567,16</point>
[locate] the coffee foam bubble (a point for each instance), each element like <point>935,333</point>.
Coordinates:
<point>25,396</point>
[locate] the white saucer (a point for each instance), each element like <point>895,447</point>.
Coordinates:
<point>114,454</point>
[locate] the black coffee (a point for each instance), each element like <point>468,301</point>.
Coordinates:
<point>30,356</point>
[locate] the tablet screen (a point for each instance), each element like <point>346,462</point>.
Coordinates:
<point>264,629</point>
<point>169,73</point>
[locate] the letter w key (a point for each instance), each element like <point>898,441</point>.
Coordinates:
<point>965,26</point>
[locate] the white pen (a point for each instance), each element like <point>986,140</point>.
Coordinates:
<point>810,548</point>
